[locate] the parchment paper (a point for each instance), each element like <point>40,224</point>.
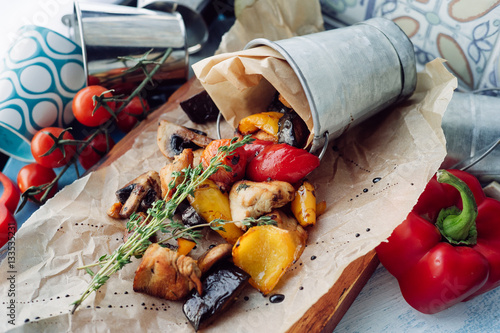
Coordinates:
<point>271,19</point>
<point>244,82</point>
<point>370,178</point>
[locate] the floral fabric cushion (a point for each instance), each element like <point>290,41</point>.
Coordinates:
<point>464,32</point>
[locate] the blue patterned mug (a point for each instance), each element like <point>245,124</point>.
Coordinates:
<point>39,76</point>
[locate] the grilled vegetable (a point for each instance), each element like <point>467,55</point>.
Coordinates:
<point>236,162</point>
<point>139,194</point>
<point>266,252</point>
<point>214,255</point>
<point>292,130</point>
<point>184,246</point>
<point>304,205</point>
<point>190,217</point>
<point>221,288</point>
<point>172,139</point>
<point>265,121</point>
<point>211,204</point>
<point>200,108</point>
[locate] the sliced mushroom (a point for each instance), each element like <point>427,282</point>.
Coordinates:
<point>254,199</point>
<point>213,255</point>
<point>139,194</point>
<point>172,139</point>
<point>181,162</point>
<point>166,274</point>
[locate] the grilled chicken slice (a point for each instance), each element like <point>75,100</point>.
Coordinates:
<point>254,199</point>
<point>139,194</point>
<point>181,161</point>
<point>166,274</point>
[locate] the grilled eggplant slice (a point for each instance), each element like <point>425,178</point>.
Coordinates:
<point>292,130</point>
<point>200,108</point>
<point>221,287</point>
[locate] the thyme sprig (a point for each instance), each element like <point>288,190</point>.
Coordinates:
<point>179,230</point>
<point>159,218</point>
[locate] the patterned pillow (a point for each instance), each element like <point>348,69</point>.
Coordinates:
<point>464,32</point>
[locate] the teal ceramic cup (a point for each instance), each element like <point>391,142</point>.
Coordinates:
<point>39,76</point>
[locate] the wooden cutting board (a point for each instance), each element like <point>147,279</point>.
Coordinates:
<point>329,310</point>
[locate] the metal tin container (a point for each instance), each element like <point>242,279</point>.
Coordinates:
<point>108,32</point>
<point>349,74</point>
<point>190,10</point>
<point>471,125</point>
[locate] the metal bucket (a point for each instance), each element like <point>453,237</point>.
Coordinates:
<point>349,74</point>
<point>190,10</point>
<point>107,32</point>
<point>471,125</point>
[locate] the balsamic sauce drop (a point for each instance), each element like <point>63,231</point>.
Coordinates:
<point>276,298</point>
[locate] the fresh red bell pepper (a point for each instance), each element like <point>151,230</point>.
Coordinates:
<point>11,194</point>
<point>8,225</point>
<point>8,204</point>
<point>281,162</point>
<point>448,248</point>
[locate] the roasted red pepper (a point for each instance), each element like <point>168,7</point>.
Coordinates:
<point>8,204</point>
<point>281,162</point>
<point>448,248</point>
<point>254,148</point>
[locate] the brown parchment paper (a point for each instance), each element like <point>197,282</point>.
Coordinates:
<point>271,19</point>
<point>370,178</point>
<point>244,82</point>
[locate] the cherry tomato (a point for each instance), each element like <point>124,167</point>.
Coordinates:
<point>95,150</point>
<point>42,142</point>
<point>131,114</point>
<point>35,174</point>
<point>83,106</point>
<point>8,225</point>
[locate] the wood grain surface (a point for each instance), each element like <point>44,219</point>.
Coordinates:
<point>330,308</point>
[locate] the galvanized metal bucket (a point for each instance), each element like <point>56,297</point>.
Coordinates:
<point>108,32</point>
<point>349,74</point>
<point>471,125</point>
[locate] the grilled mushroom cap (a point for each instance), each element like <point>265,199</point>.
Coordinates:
<point>172,139</point>
<point>139,194</point>
<point>213,255</point>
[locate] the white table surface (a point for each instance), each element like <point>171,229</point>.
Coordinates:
<point>380,307</point>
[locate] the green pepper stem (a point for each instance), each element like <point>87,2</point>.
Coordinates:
<point>458,227</point>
